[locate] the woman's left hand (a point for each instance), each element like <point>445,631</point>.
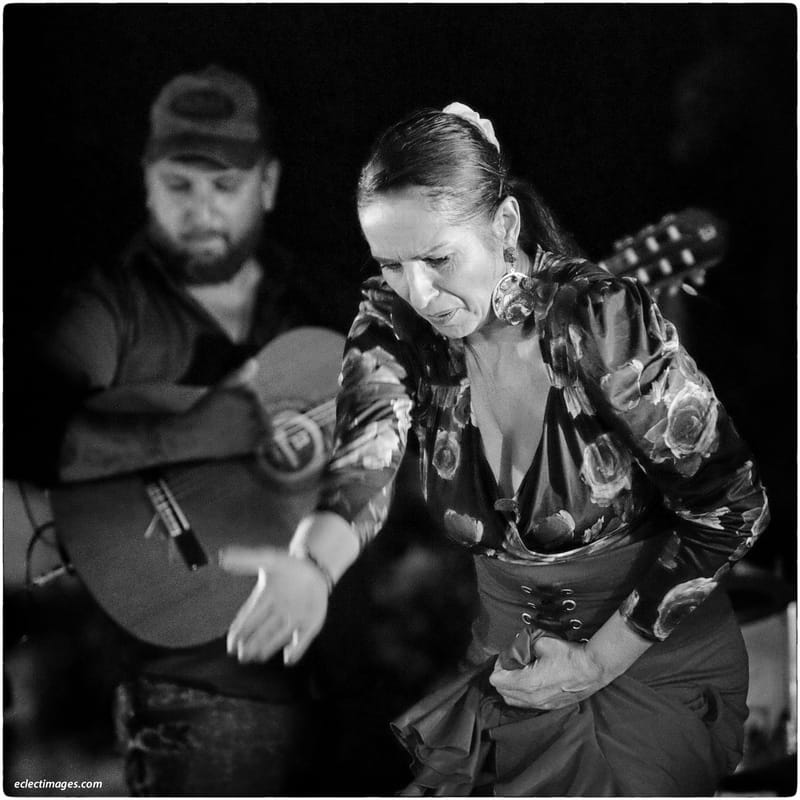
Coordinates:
<point>563,673</point>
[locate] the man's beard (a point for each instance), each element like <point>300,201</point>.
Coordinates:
<point>197,270</point>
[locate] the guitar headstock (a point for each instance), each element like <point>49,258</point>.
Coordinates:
<point>674,253</point>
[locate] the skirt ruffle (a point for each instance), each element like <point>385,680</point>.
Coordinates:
<point>628,739</point>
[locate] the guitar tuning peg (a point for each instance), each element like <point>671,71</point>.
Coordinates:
<point>690,290</point>
<point>622,244</point>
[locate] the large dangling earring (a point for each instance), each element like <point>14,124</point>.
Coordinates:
<point>512,298</point>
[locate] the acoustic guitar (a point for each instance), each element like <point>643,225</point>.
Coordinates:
<point>145,545</point>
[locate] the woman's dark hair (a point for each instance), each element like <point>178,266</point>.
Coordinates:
<point>461,171</point>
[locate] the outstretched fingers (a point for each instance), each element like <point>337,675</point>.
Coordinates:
<point>259,629</point>
<point>286,608</point>
<point>267,640</point>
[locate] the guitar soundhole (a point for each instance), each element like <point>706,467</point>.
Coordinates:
<point>296,449</point>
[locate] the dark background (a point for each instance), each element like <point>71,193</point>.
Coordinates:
<point>617,113</point>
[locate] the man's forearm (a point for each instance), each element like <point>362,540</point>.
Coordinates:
<point>226,423</point>
<point>99,445</point>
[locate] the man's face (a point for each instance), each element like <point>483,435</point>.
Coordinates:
<point>208,218</point>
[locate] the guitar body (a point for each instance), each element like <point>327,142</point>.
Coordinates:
<point>146,545</point>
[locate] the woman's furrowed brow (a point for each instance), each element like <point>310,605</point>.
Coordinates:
<point>420,257</point>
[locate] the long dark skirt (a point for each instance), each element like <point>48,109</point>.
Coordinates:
<point>672,725</point>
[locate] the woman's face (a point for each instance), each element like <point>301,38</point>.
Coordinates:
<point>445,271</point>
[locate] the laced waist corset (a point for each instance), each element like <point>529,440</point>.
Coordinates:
<point>570,599</point>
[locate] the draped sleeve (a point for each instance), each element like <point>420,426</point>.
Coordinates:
<point>645,386</point>
<point>373,416</point>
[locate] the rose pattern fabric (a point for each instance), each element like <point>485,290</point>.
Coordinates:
<point>561,369</point>
<point>633,435</point>
<point>663,330</point>
<point>462,411</point>
<point>373,418</point>
<point>709,519</point>
<point>374,366</point>
<point>375,450</point>
<point>462,528</point>
<point>689,433</point>
<point>679,601</point>
<point>556,529</point>
<point>401,407</point>
<point>629,604</point>
<point>754,523</point>
<point>544,294</point>
<point>368,315</point>
<point>446,454</point>
<point>577,401</point>
<point>623,385</point>
<point>373,515</point>
<point>593,532</point>
<point>606,469</point>
<point>669,555</point>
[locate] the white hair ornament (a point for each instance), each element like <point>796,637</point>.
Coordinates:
<point>483,124</point>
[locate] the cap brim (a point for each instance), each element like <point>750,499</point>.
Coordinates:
<point>236,153</point>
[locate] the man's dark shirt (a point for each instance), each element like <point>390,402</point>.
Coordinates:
<point>134,323</point>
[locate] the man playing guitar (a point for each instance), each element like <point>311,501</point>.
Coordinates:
<point>152,363</point>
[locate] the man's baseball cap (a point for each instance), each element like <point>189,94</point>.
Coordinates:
<point>213,114</point>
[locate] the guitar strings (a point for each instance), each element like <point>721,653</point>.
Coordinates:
<point>186,484</point>
<point>321,418</point>
<point>324,411</point>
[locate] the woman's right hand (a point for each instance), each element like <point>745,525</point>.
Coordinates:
<point>286,609</point>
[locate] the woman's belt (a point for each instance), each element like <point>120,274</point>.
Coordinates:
<point>570,599</point>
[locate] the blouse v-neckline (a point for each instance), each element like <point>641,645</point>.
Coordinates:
<point>537,263</point>
<point>513,493</point>
<point>533,466</point>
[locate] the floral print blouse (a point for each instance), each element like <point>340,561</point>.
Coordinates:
<point>633,432</point>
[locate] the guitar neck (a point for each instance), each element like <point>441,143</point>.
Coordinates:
<point>679,248</point>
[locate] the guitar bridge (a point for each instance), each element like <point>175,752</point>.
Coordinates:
<point>175,523</point>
